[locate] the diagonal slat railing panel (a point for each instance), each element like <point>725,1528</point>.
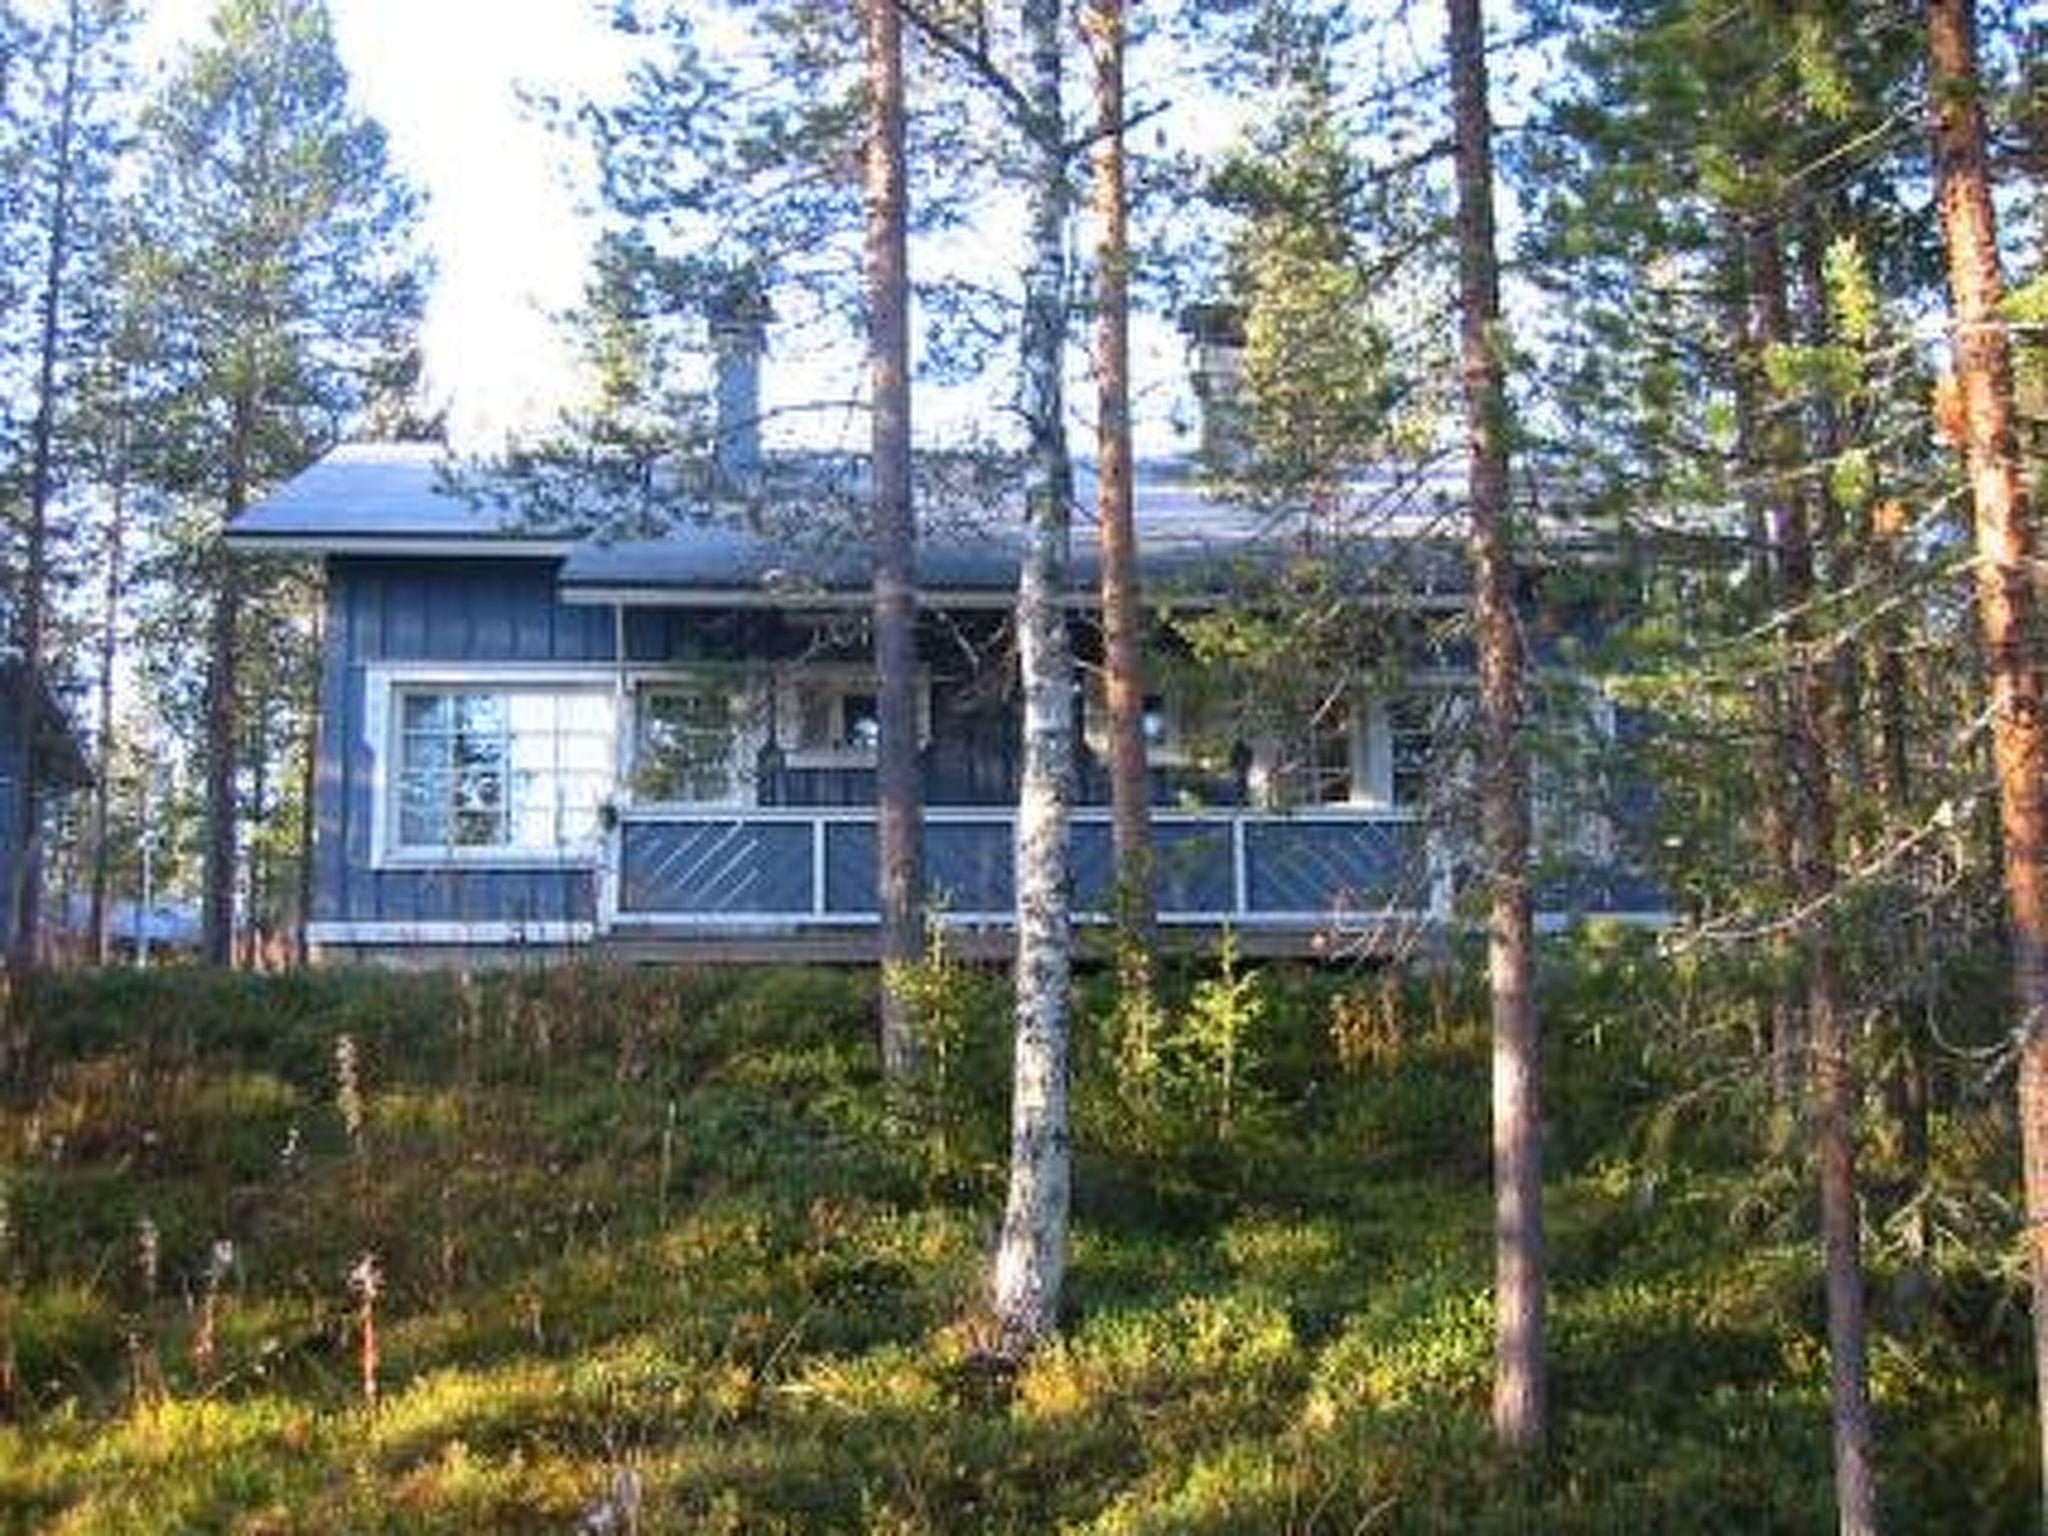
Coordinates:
<point>728,866</point>
<point>1328,865</point>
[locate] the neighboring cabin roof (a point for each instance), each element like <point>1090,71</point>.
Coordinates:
<point>381,498</point>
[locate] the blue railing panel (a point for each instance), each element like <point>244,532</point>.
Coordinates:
<point>969,866</point>
<point>1192,866</point>
<point>1327,865</point>
<point>723,868</point>
<point>851,878</point>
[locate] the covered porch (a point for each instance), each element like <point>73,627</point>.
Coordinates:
<point>680,874</point>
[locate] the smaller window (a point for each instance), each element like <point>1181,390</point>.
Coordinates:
<point>686,746</point>
<point>1411,733</point>
<point>1160,724</point>
<point>832,717</point>
<point>1326,767</point>
<point>1154,724</point>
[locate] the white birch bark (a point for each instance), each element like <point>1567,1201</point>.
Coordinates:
<point>1031,1256</point>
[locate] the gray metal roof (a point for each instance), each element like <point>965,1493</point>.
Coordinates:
<point>362,493</point>
<point>397,498</point>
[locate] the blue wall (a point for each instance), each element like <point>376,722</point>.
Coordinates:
<point>434,610</point>
<point>481,611</point>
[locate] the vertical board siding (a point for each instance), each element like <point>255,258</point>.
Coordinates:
<point>480,611</point>
<point>388,610</point>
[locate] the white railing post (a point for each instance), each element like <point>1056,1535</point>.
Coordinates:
<point>1240,869</point>
<point>818,866</point>
<point>608,877</point>
<point>1442,890</point>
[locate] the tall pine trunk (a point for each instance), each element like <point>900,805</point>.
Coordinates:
<point>309,785</point>
<point>1031,1254</point>
<point>898,796</point>
<point>1809,787</point>
<point>110,646</point>
<point>1788,1037</point>
<point>2006,601</point>
<point>1130,781</point>
<point>1519,1410</point>
<point>25,899</point>
<point>217,894</point>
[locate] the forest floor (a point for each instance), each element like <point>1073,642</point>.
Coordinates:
<point>654,1251</point>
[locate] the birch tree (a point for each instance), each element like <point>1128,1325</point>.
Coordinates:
<point>1031,1256</point>
<point>898,788</point>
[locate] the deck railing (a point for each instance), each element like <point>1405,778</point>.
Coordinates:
<point>749,868</point>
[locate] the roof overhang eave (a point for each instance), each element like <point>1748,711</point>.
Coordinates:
<point>425,545</point>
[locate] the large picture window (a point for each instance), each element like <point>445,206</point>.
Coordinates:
<point>519,770</point>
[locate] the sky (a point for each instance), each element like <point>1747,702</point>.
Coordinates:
<point>444,78</point>
<point>502,218</point>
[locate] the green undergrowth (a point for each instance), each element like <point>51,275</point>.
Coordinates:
<point>657,1248</point>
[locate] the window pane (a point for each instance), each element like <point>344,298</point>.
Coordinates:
<point>590,713</point>
<point>1412,728</point>
<point>480,769</point>
<point>532,752</point>
<point>480,714</point>
<point>685,746</point>
<point>1152,721</point>
<point>427,750</point>
<point>584,754</point>
<point>428,712</point>
<point>423,809</point>
<point>860,722</point>
<point>479,789</point>
<point>478,829</point>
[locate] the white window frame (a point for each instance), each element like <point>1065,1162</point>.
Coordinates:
<point>1565,827</point>
<point>1173,750</point>
<point>743,691</point>
<point>1275,773</point>
<point>384,684</point>
<point>841,680</point>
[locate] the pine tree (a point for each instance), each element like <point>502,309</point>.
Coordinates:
<point>2007,600</point>
<point>291,293</point>
<point>69,97</point>
<point>898,791</point>
<point>1105,24</point>
<point>1519,1414</point>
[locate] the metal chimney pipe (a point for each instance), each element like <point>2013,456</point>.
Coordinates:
<point>739,339</point>
<point>1215,334</point>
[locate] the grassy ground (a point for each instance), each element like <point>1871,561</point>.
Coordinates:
<point>659,1240</point>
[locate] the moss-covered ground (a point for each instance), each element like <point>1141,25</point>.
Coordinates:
<point>655,1251</point>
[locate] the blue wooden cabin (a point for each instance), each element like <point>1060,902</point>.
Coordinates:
<point>664,746</point>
